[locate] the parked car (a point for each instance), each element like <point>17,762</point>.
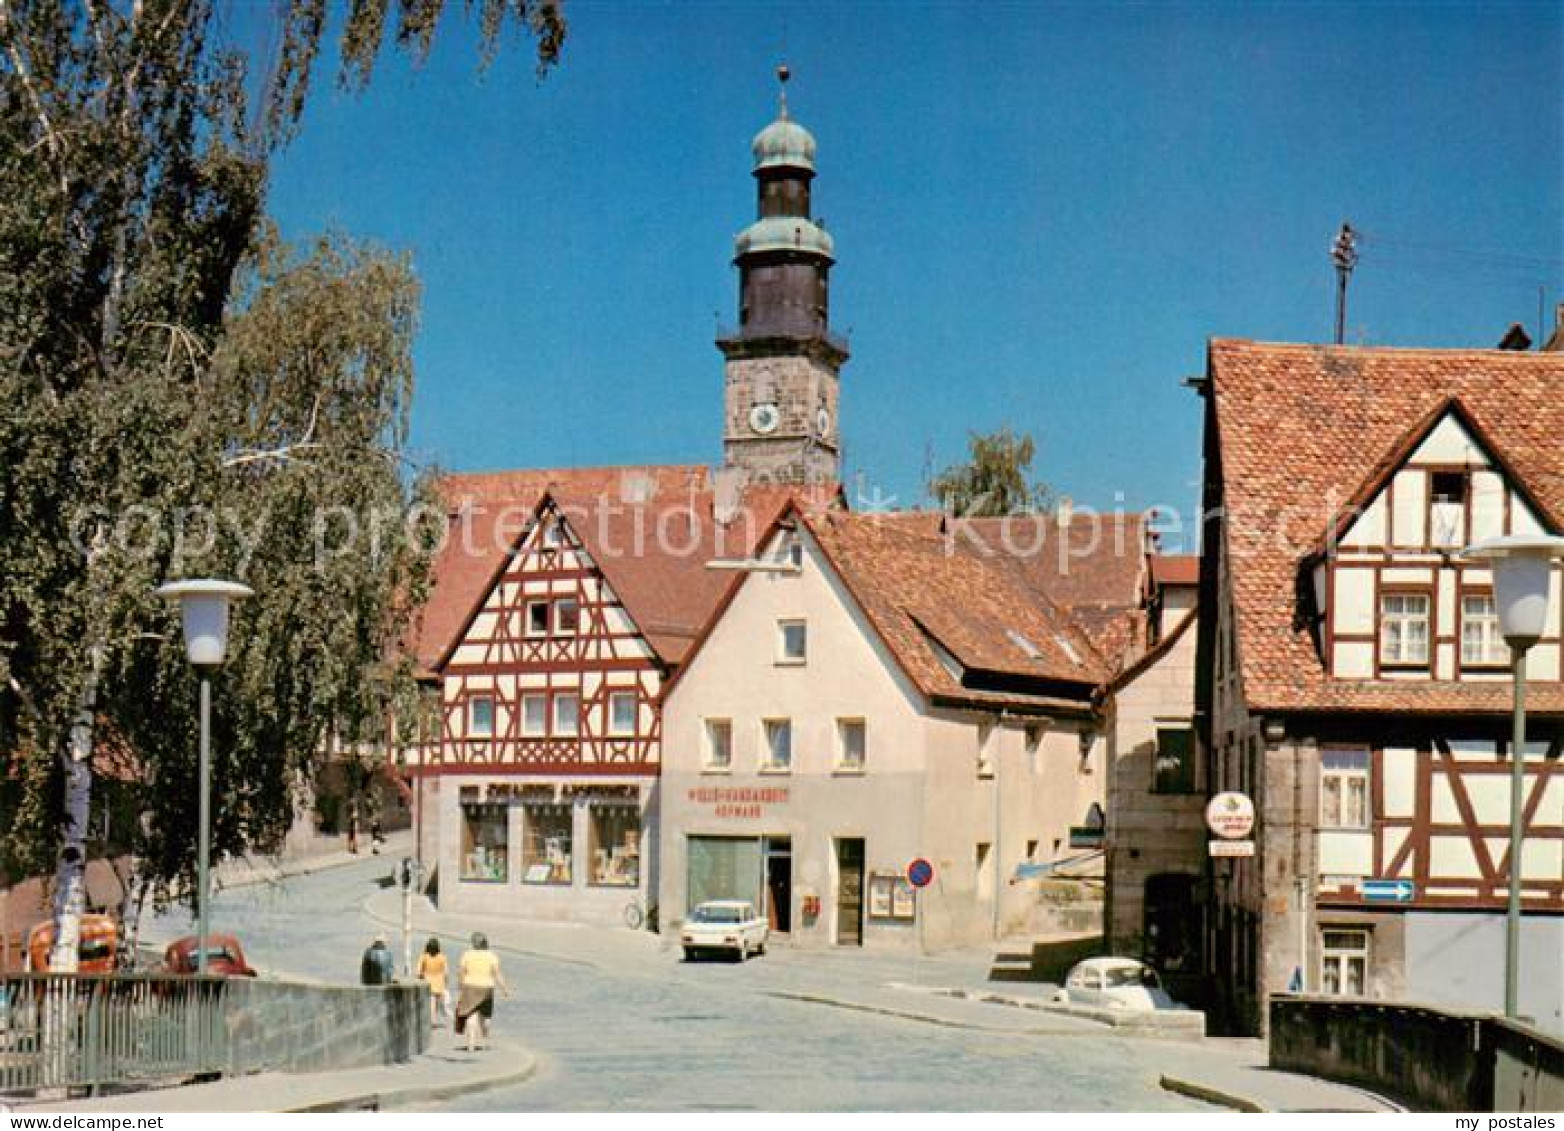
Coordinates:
<point>97,950</point>
<point>1115,983</point>
<point>224,957</point>
<point>724,924</point>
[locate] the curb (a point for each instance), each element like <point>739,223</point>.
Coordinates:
<point>927,1019</point>
<point>422,1094</point>
<point>1207,1094</point>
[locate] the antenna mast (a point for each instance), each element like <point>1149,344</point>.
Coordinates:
<point>1344,254</point>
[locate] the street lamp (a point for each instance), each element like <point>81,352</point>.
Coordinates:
<point>1522,574</point>
<point>204,605</point>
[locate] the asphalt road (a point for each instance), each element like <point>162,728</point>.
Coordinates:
<point>662,1035</point>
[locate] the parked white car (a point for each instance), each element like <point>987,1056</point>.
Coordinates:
<point>724,924</point>
<point>1115,983</point>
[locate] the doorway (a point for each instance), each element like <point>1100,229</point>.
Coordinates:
<point>849,892</point>
<point>778,852</point>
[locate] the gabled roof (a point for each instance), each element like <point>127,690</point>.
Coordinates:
<point>965,628</point>
<point>650,530</point>
<point>1301,430</point>
<point>1090,565</point>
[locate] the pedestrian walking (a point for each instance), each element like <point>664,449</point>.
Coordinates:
<point>376,836</point>
<point>353,829</point>
<point>432,969</point>
<point>377,967</point>
<point>480,977</point>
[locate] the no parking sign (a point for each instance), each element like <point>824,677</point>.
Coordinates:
<point>920,873</point>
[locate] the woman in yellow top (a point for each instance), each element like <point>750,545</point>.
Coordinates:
<point>480,974</point>
<point>432,969</point>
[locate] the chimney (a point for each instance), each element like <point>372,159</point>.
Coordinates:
<point>1064,512</point>
<point>1515,338</point>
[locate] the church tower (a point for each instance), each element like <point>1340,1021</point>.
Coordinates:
<point>783,361</point>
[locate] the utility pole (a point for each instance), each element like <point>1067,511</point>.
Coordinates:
<point>1344,254</point>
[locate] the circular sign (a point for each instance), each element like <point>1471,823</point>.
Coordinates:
<point>1230,816</point>
<point>920,873</point>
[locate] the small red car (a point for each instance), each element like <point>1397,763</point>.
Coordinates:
<point>224,957</point>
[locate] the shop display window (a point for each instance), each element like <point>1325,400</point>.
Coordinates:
<point>616,845</point>
<point>547,851</point>
<point>485,842</point>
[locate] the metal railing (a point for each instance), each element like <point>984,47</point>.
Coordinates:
<point>90,1030</point>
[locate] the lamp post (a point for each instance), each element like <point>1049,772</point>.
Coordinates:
<point>204,606</point>
<point>1522,568</point>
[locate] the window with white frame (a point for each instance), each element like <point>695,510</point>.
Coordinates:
<point>1482,644</point>
<point>852,739</point>
<point>622,711</point>
<point>537,618</point>
<point>792,641</point>
<point>794,551</point>
<point>719,744</point>
<point>534,715</point>
<point>1344,959</point>
<point>1403,628</point>
<point>567,714</point>
<point>1344,789</point>
<point>480,716</point>
<point>779,745</point>
<point>1447,491</point>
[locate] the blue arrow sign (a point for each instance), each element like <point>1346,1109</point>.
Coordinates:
<point>1391,891</point>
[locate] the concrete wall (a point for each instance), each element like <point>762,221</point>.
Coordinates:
<point>1456,959</point>
<point>1428,1059</point>
<point>295,1027</point>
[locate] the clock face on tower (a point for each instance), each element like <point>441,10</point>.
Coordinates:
<point>764,418</point>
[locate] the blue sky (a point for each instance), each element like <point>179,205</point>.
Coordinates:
<point>1041,212</point>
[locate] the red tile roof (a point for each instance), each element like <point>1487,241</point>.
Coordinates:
<point>1180,571</point>
<point>926,595</point>
<point>651,530</point>
<point>1301,430</point>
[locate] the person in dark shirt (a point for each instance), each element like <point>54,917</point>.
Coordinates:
<point>377,968</point>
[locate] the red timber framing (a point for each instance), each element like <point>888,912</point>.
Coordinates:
<point>1464,863</point>
<point>580,644</point>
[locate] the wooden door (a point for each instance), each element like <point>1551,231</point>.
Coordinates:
<point>849,892</point>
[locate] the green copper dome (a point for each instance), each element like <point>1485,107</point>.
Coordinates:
<point>784,144</point>
<point>785,233</point>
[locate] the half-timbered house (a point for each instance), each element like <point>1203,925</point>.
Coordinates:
<point>1354,681</point>
<point>545,774</point>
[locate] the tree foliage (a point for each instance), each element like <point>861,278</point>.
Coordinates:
<point>162,355</point>
<point>995,480</point>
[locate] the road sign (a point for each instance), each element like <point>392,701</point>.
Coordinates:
<point>1231,847</point>
<point>1230,816</point>
<point>920,873</point>
<point>1389,891</point>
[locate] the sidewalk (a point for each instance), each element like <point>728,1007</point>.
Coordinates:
<point>252,870</point>
<point>443,1072</point>
<point>1253,1087</point>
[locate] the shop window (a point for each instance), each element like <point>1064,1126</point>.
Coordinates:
<point>719,744</point>
<point>480,716</point>
<point>485,842</point>
<point>1174,769</point>
<point>546,843</point>
<point>537,618</point>
<point>779,745</point>
<point>1482,644</point>
<point>567,714</point>
<point>1344,789</point>
<point>792,641</point>
<point>534,715</point>
<point>567,617</point>
<point>852,745</point>
<point>616,845</point>
<point>1403,629</point>
<point>622,711</point>
<point>1344,958</point>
